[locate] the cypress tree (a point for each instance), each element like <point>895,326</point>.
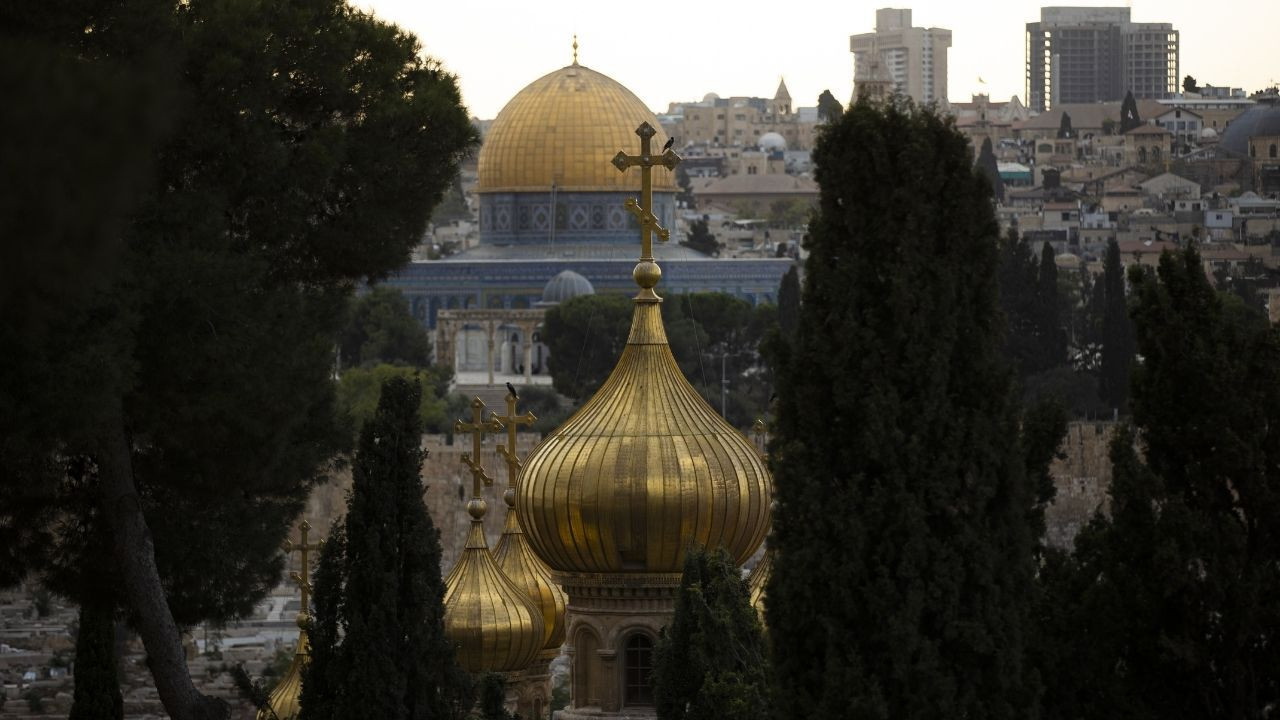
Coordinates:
<point>1053,339</point>
<point>97,693</point>
<point>1170,606</point>
<point>393,660</point>
<point>991,169</point>
<point>1117,334</point>
<point>711,660</point>
<point>789,303</point>
<point>904,537</point>
<point>1129,113</point>
<point>1065,131</point>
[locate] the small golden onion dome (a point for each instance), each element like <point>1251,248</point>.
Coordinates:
<point>492,622</point>
<point>562,129</point>
<point>518,563</point>
<point>283,703</point>
<point>644,469</point>
<point>758,579</point>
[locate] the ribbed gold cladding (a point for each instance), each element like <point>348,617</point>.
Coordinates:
<point>491,621</point>
<point>562,129</point>
<point>283,703</point>
<point>527,572</point>
<point>643,470</point>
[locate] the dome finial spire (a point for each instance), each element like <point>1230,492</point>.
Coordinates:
<point>647,273</point>
<point>478,426</point>
<point>575,48</point>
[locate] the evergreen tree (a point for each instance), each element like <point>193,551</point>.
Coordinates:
<point>1129,113</point>
<point>493,697</point>
<point>381,329</point>
<point>393,659</point>
<point>1053,337</point>
<point>97,693</point>
<point>250,162</point>
<point>1117,334</point>
<point>710,661</point>
<point>701,239</point>
<point>789,303</point>
<point>1170,605</point>
<point>904,537</point>
<point>829,108</point>
<point>1189,84</point>
<point>1065,131</point>
<point>990,168</point>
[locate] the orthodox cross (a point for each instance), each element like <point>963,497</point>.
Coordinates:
<point>643,210</point>
<point>303,577</point>
<point>476,428</point>
<point>511,422</point>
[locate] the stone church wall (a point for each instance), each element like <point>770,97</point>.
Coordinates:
<point>1081,477</point>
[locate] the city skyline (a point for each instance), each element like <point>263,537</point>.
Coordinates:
<point>497,48</point>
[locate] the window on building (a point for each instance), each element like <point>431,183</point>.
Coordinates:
<point>638,681</point>
<point>1272,152</point>
<point>751,170</point>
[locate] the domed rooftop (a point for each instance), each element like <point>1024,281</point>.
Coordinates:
<point>772,141</point>
<point>643,469</point>
<point>1261,119</point>
<point>566,286</point>
<point>1208,133</point>
<point>563,128</point>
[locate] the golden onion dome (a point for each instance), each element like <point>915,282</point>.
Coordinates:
<point>492,622</point>
<point>284,701</point>
<point>562,129</point>
<point>527,572</point>
<point>644,469</point>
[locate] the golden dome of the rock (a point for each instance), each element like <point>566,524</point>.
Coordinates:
<point>562,129</point>
<point>643,470</point>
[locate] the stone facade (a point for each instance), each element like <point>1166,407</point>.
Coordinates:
<point>1081,477</point>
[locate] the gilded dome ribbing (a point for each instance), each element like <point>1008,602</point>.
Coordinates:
<point>563,128</point>
<point>526,571</point>
<point>643,470</point>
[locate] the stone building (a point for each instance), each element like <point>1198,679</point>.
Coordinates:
<point>913,58</point>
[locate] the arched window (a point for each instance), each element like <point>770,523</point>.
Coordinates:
<point>585,652</point>
<point>1272,152</point>
<point>637,678</point>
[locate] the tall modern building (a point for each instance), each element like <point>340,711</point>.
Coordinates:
<point>913,59</point>
<point>1096,54</point>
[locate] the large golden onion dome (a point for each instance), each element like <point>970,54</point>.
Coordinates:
<point>492,622</point>
<point>644,469</point>
<point>284,703</point>
<point>562,129</point>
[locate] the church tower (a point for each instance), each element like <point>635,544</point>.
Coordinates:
<point>615,496</point>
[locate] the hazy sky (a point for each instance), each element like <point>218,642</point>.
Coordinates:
<point>668,52</point>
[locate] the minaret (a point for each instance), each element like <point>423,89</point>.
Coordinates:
<point>283,703</point>
<point>493,623</point>
<point>615,496</point>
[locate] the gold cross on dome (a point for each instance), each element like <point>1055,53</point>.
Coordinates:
<point>511,422</point>
<point>643,210</point>
<point>476,428</point>
<point>303,576</point>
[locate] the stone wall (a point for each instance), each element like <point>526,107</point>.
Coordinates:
<point>1081,476</point>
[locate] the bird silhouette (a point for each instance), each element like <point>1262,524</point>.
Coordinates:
<point>670,141</point>
<point>512,389</point>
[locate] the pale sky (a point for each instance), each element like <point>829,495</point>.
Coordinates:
<point>680,51</point>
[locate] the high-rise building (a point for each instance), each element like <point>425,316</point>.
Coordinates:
<point>1096,54</point>
<point>914,59</point>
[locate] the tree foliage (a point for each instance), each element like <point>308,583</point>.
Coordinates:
<point>381,329</point>
<point>711,660</point>
<point>904,529</point>
<point>1189,85</point>
<point>1170,604</point>
<point>701,239</point>
<point>1065,131</point>
<point>829,108</point>
<point>379,649</point>
<point>258,160</point>
<point>714,337</point>
<point>990,168</point>
<point>1129,118</point>
<point>1117,334</point>
<point>1035,341</point>
<point>97,691</point>
<point>359,388</point>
